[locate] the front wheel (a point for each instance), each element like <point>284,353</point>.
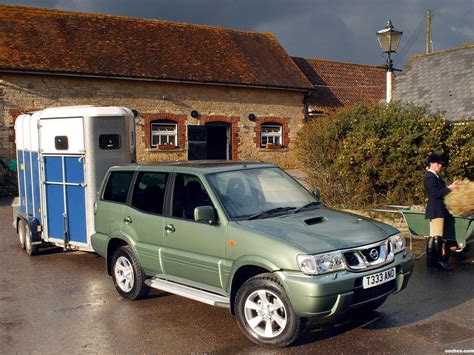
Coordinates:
<point>128,276</point>
<point>264,312</point>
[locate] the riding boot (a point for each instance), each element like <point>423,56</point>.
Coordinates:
<point>441,251</point>
<point>431,258</point>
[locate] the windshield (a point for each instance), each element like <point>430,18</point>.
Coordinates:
<point>259,193</point>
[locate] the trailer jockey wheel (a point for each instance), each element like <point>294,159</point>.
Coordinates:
<point>21,233</point>
<point>29,247</point>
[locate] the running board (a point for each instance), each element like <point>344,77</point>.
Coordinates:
<point>189,292</point>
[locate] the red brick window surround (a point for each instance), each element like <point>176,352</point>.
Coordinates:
<point>172,128</point>
<point>233,121</point>
<point>276,122</point>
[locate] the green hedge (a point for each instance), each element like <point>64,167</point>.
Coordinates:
<point>373,155</point>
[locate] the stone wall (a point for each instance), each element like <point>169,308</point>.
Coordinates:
<point>154,100</point>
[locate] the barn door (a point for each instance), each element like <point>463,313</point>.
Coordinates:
<point>197,142</point>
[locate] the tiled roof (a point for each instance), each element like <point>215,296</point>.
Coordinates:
<point>42,40</point>
<point>338,84</point>
<point>441,80</point>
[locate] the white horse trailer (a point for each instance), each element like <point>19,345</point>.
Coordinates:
<point>63,153</point>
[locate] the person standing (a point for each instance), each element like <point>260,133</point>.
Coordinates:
<point>436,211</point>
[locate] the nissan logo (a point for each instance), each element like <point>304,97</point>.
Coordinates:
<point>374,254</point>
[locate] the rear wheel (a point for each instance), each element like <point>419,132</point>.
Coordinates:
<point>21,234</point>
<point>128,276</point>
<point>264,312</point>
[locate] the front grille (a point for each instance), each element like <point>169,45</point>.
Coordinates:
<point>370,256</point>
<point>361,295</point>
<point>351,258</point>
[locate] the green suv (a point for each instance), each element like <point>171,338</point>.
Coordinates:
<point>245,236</point>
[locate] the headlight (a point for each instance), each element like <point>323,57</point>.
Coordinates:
<point>321,263</point>
<point>397,242</point>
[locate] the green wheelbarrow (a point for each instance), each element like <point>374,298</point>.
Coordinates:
<point>457,230</point>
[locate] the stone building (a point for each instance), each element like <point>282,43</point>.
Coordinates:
<point>201,92</point>
<point>443,81</point>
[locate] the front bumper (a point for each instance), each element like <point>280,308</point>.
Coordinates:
<point>331,295</point>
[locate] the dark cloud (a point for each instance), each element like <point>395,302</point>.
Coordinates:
<point>341,30</point>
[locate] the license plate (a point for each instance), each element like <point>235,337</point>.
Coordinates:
<point>378,278</point>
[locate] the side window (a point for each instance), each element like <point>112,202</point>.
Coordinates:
<point>149,192</point>
<point>188,194</point>
<point>117,186</point>
<point>109,141</point>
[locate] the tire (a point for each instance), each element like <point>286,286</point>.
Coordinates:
<point>460,252</point>
<point>370,307</point>
<point>21,234</point>
<point>264,312</point>
<point>30,249</point>
<point>128,275</point>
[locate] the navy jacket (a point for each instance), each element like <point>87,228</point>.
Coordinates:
<point>436,189</point>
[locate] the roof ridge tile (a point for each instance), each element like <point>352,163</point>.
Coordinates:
<point>128,18</point>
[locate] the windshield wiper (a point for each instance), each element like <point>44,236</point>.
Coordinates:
<point>270,211</point>
<point>311,204</point>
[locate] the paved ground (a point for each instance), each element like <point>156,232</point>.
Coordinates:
<point>65,303</point>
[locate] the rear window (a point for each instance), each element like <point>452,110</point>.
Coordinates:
<point>117,186</point>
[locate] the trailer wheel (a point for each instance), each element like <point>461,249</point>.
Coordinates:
<point>29,247</point>
<point>128,275</point>
<point>21,233</point>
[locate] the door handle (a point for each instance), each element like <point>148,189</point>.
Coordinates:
<point>127,220</point>
<point>169,228</point>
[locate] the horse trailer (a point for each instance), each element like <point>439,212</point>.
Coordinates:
<point>63,154</point>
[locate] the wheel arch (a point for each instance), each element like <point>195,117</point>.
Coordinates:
<point>34,225</point>
<point>245,269</point>
<point>114,243</point>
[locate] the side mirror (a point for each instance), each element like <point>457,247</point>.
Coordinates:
<point>317,194</point>
<point>205,214</point>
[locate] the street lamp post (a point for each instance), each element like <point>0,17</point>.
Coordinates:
<point>389,38</point>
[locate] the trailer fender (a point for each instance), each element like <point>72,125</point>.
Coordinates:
<point>35,228</point>
<point>34,225</point>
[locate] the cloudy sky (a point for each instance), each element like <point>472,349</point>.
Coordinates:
<point>342,30</point>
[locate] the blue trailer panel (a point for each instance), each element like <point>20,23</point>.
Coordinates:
<point>36,186</point>
<point>76,213</point>
<point>55,210</point>
<point>21,182</point>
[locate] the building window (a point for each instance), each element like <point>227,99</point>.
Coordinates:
<point>164,133</point>
<point>271,135</point>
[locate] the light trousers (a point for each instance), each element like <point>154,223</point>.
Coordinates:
<point>436,227</point>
